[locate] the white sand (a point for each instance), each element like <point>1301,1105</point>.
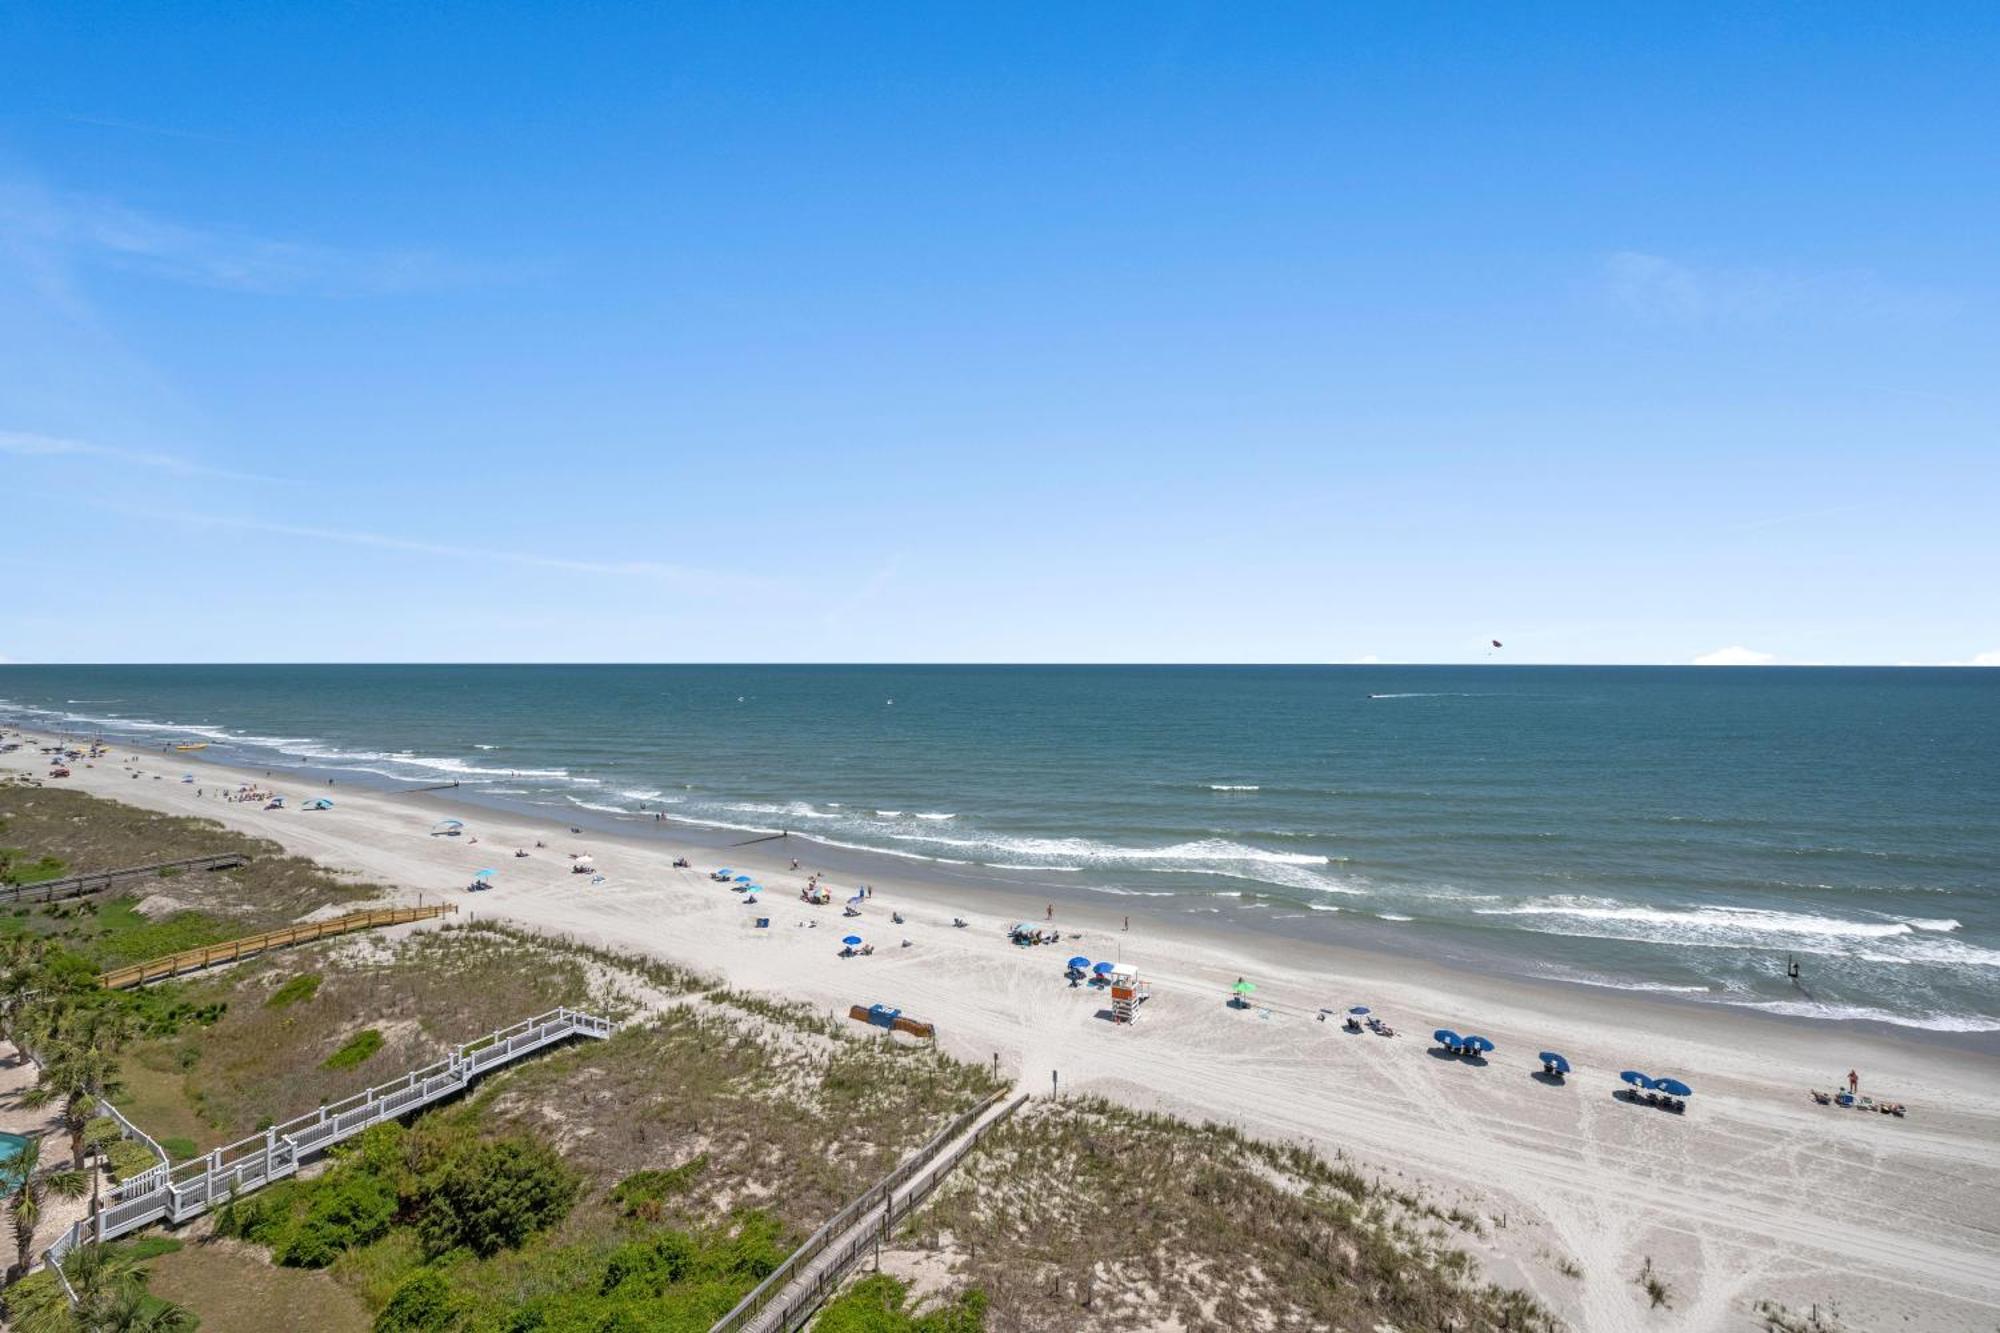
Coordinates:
<point>1756,1193</point>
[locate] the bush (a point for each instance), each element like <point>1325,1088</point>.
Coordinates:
<point>425,1303</point>
<point>299,989</point>
<point>352,1210</point>
<point>128,1158</point>
<point>356,1049</point>
<point>875,1305</point>
<point>643,1194</point>
<point>495,1196</point>
<point>178,1148</point>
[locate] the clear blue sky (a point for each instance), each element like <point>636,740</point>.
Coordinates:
<point>945,333</point>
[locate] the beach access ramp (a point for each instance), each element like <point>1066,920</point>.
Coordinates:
<point>789,1297</point>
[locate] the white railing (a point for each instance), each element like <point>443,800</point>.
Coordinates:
<point>179,1193</point>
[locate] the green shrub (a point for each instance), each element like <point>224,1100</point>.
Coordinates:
<point>296,991</point>
<point>356,1049</point>
<point>180,1149</point>
<point>495,1196</point>
<point>643,1194</point>
<point>875,1304</point>
<point>352,1209</point>
<point>425,1303</point>
<point>101,1130</point>
<point>128,1158</point>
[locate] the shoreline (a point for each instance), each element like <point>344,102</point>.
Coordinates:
<point>1754,1193</point>
<point>930,876</point>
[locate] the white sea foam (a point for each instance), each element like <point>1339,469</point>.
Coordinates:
<point>1933,1022</point>
<point>1394,916</point>
<point>1233,786</point>
<point>1655,986</point>
<point>1063,870</point>
<point>593,805</point>
<point>935,815</point>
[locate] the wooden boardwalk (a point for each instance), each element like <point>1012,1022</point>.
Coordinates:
<point>794,1292</point>
<point>79,886</point>
<point>229,951</point>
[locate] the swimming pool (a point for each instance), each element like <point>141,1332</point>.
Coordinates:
<point>11,1146</point>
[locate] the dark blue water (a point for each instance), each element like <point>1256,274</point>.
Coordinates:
<point>1682,830</point>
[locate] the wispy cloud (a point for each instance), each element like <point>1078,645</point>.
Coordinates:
<point>1736,655</point>
<point>106,231</point>
<point>1661,290</point>
<point>686,577</point>
<point>25,444</point>
<point>139,127</point>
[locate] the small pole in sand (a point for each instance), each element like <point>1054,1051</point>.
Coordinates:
<point>1053,1090</point>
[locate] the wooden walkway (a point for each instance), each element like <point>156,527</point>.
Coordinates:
<point>229,951</point>
<point>179,1193</point>
<point>79,886</point>
<point>794,1292</point>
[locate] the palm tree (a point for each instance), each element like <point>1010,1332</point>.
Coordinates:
<point>20,977</point>
<point>79,1075</point>
<point>32,1187</point>
<point>111,1297</point>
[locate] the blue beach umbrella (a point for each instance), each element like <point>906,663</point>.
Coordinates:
<point>1636,1079</point>
<point>1358,1009</point>
<point>482,874</point>
<point>1102,969</point>
<point>742,879</point>
<point>1446,1037</point>
<point>725,870</point>
<point>851,941</point>
<point>1079,961</point>
<point>1560,1065</point>
<point>1479,1043</point>
<point>1673,1087</point>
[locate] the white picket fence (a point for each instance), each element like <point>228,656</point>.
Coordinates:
<point>168,1193</point>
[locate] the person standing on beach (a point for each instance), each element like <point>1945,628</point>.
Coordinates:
<point>1853,1083</point>
<point>1049,913</point>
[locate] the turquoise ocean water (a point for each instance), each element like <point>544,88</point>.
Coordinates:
<point>1673,830</point>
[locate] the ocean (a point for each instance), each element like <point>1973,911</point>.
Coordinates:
<point>1681,831</point>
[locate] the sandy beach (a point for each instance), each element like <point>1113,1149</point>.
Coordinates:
<point>1755,1194</point>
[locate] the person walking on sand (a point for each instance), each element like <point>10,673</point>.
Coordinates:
<point>1128,923</point>
<point>1853,1084</point>
<point>1049,912</point>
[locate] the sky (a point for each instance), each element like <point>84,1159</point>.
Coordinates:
<point>943,333</point>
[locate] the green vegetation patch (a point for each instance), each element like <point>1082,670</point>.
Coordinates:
<point>354,1050</point>
<point>878,1303</point>
<point>644,1194</point>
<point>296,991</point>
<point>453,1189</point>
<point>19,867</point>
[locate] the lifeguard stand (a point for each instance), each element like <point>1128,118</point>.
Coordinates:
<point>1128,992</point>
